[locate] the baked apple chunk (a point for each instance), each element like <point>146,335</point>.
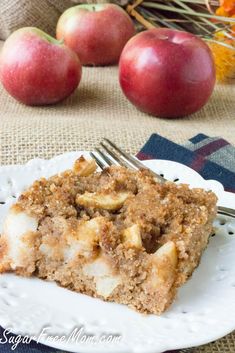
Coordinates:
<point>117,235</point>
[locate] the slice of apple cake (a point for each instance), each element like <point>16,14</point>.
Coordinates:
<point>117,234</point>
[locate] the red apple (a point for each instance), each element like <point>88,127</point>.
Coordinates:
<point>36,69</point>
<point>167,73</point>
<point>96,32</point>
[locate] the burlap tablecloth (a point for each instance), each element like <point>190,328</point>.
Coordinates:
<point>97,109</point>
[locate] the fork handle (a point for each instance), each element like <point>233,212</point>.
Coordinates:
<point>226,211</point>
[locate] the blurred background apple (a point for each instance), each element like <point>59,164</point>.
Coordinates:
<point>96,32</point>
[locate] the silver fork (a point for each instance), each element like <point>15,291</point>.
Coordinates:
<point>110,154</point>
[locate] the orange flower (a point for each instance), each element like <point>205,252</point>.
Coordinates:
<point>227,8</point>
<point>224,58</point>
<point>233,26</point>
<point>221,12</point>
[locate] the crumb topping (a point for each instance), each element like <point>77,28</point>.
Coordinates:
<point>123,197</point>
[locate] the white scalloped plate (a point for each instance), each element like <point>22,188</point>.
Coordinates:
<point>204,310</point>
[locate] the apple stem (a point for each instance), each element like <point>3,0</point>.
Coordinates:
<point>93,8</point>
<point>61,41</point>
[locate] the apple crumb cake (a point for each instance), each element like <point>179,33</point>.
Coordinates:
<point>117,234</point>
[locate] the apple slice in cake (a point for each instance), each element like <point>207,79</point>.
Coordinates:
<point>117,234</point>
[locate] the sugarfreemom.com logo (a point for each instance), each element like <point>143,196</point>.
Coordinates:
<point>77,335</point>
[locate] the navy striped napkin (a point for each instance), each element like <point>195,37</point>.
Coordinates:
<point>212,157</point>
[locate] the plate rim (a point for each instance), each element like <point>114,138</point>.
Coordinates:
<point>29,163</point>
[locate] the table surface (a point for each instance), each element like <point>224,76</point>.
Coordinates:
<point>99,109</point>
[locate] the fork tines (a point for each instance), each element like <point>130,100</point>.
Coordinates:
<point>109,153</point>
